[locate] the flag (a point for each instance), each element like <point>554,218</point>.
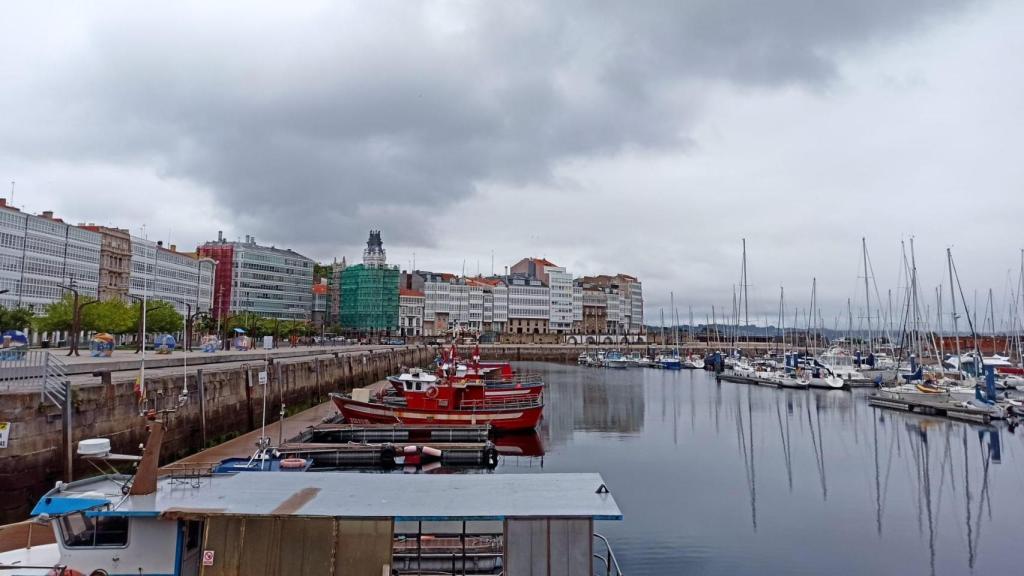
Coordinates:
<point>140,390</point>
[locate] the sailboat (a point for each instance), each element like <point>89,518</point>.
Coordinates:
<point>671,361</point>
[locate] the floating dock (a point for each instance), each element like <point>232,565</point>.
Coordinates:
<point>942,406</point>
<point>331,455</point>
<point>367,433</point>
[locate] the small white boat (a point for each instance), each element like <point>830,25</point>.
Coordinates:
<point>615,360</point>
<point>694,362</point>
<point>669,361</point>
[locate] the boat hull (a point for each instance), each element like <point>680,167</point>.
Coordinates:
<point>507,419</point>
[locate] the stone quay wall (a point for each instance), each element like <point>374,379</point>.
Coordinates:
<point>222,403</point>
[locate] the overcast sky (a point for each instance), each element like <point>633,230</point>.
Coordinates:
<point>638,137</point>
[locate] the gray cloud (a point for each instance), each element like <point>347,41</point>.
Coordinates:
<point>330,114</point>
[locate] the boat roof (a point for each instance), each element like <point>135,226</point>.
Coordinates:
<point>345,495</point>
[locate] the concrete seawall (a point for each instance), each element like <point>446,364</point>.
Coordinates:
<point>221,403</point>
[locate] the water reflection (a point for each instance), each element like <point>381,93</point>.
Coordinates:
<point>734,479</point>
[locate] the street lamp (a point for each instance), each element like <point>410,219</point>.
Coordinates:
<point>141,338</point>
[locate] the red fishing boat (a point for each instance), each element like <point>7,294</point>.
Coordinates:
<point>452,402</point>
<point>499,379</point>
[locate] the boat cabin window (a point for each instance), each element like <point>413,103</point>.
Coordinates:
<point>448,547</point>
<point>79,531</point>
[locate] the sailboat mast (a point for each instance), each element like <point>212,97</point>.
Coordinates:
<point>782,317</point>
<point>913,294</point>
<point>746,301</point>
<point>849,323</point>
<point>812,320</point>
<point>939,327</point>
<point>1020,325</point>
<point>952,296</point>
<point>675,321</point>
<point>867,294</point>
<point>714,321</point>
<point>735,318</point>
<point>992,322</point>
<point>663,342</point>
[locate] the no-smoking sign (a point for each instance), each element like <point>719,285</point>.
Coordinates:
<point>208,557</point>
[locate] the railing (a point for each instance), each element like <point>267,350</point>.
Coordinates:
<point>530,378</point>
<point>32,371</point>
<point>510,403</point>
<point>608,566</point>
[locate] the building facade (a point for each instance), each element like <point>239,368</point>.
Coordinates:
<point>184,280</point>
<point>529,303</point>
<point>369,292</point>
<point>40,254</point>
<point>115,261</point>
<point>264,280</point>
<point>410,314</point>
<point>624,303</point>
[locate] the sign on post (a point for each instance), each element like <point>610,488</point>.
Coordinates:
<point>268,342</point>
<point>263,378</point>
<point>5,431</point>
<point>208,557</point>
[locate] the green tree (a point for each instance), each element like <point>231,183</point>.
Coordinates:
<point>57,315</point>
<point>161,317</point>
<point>15,318</point>
<point>112,316</point>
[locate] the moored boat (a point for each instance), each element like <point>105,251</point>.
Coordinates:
<point>451,403</point>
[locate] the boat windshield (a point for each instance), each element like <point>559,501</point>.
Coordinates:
<point>79,531</point>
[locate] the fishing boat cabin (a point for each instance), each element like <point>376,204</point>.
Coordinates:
<point>329,523</point>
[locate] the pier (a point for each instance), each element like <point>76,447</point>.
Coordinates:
<point>931,407</point>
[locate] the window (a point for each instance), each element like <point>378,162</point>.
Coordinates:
<point>79,531</point>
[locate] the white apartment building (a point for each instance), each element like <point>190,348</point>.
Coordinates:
<point>577,306</point>
<point>615,316</point>
<point>560,303</point>
<point>181,279</point>
<point>410,312</point>
<point>475,301</point>
<point>39,254</point>
<point>529,305</point>
<point>264,280</point>
<point>634,291</point>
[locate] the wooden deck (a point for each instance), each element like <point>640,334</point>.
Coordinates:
<point>245,445</point>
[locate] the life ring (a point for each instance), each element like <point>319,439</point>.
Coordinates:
<point>431,392</point>
<point>292,463</point>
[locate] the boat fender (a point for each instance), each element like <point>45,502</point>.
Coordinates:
<point>431,391</point>
<point>411,449</point>
<point>292,463</point>
<point>99,572</point>
<point>431,451</point>
<point>387,454</point>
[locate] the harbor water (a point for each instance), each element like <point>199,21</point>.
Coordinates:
<point>735,479</point>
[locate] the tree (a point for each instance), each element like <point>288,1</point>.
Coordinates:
<point>14,318</point>
<point>161,317</point>
<point>57,315</point>
<point>111,316</point>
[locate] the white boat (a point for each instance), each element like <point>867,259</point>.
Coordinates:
<point>694,362</point>
<point>615,360</point>
<point>296,522</point>
<point>669,361</point>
